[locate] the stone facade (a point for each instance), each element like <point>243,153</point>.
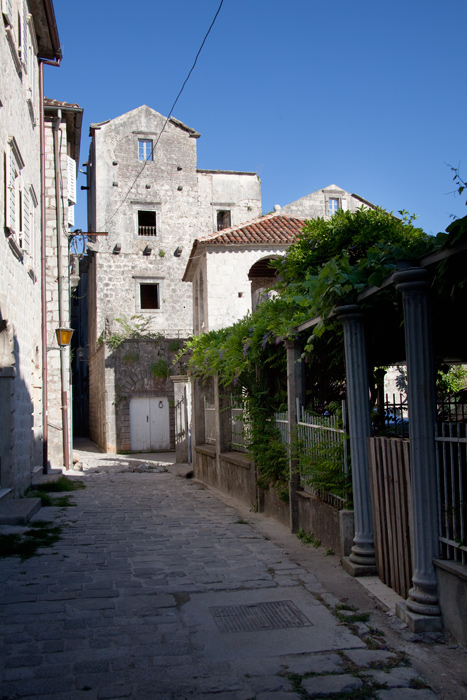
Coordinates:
<point>62,139</point>
<point>324,203</point>
<point>147,195</point>
<point>222,268</point>
<point>25,37</point>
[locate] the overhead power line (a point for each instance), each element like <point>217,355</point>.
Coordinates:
<point>169,115</point>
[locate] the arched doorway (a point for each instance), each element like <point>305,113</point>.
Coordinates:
<point>262,277</point>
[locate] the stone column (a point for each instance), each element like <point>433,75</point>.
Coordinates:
<point>295,394</point>
<point>421,611</point>
<point>198,394</point>
<point>361,561</point>
<point>224,414</point>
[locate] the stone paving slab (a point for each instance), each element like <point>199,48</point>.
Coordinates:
<point>324,634</point>
<point>120,606</point>
<point>405,694</point>
<point>325,685</point>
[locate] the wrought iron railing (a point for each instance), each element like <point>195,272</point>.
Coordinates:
<point>147,231</point>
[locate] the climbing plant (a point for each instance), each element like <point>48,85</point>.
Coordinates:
<point>330,263</point>
<point>135,327</point>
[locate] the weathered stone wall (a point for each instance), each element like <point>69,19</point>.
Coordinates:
<point>137,368</point>
<point>97,406</point>
<point>239,193</point>
<point>21,436</point>
<point>185,203</point>
<point>53,287</point>
<point>167,186</point>
<point>316,204</point>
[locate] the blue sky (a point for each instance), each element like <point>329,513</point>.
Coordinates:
<point>368,95</point>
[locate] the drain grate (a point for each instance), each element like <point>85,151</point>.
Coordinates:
<point>281,614</point>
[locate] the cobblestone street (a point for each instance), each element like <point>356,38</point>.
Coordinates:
<point>157,589</point>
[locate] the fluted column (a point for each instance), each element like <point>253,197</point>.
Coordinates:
<point>423,599</point>
<point>362,558</point>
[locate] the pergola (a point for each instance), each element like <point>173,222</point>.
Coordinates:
<point>433,292</point>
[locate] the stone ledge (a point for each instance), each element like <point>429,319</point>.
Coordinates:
<point>239,459</point>
<point>451,567</point>
<point>209,450</point>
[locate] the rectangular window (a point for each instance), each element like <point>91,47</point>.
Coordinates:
<point>144,149</point>
<point>13,209</point>
<point>333,206</point>
<point>147,223</point>
<point>149,296</point>
<point>223,219</point>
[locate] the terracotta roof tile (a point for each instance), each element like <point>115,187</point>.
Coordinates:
<point>272,228</point>
<point>57,103</point>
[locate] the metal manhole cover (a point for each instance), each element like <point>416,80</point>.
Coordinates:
<point>281,614</point>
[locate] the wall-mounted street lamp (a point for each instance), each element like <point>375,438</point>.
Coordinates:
<point>64,336</point>
<point>63,339</point>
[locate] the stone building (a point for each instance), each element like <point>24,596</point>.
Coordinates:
<point>325,203</point>
<point>62,125</point>
<point>229,270</point>
<point>28,38</point>
<point>148,202</point>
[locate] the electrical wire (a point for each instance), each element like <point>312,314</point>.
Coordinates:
<point>169,116</point>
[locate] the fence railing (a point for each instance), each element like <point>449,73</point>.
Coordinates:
<point>282,423</point>
<point>451,442</point>
<point>318,436</point>
<point>209,423</point>
<point>238,425</point>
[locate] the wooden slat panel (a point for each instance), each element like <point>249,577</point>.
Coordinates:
<point>391,498</point>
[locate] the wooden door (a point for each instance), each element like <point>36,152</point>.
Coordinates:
<point>149,424</point>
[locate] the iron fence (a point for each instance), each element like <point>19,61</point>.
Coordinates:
<point>451,442</point>
<point>318,436</point>
<point>209,423</point>
<point>238,424</point>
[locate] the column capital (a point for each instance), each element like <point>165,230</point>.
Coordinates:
<point>291,343</point>
<point>348,311</point>
<point>413,279</point>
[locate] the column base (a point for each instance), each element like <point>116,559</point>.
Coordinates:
<point>419,624</point>
<point>357,569</point>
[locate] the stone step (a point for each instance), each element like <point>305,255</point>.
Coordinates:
<point>18,511</point>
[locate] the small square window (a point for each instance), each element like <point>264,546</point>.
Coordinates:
<point>333,206</point>
<point>223,220</point>
<point>147,223</point>
<point>144,149</point>
<point>149,296</point>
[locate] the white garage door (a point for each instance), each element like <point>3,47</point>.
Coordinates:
<point>149,423</point>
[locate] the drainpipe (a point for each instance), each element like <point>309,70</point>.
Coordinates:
<point>61,310</point>
<point>45,418</point>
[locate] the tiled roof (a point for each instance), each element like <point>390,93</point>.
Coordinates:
<point>272,228</point>
<point>57,103</point>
